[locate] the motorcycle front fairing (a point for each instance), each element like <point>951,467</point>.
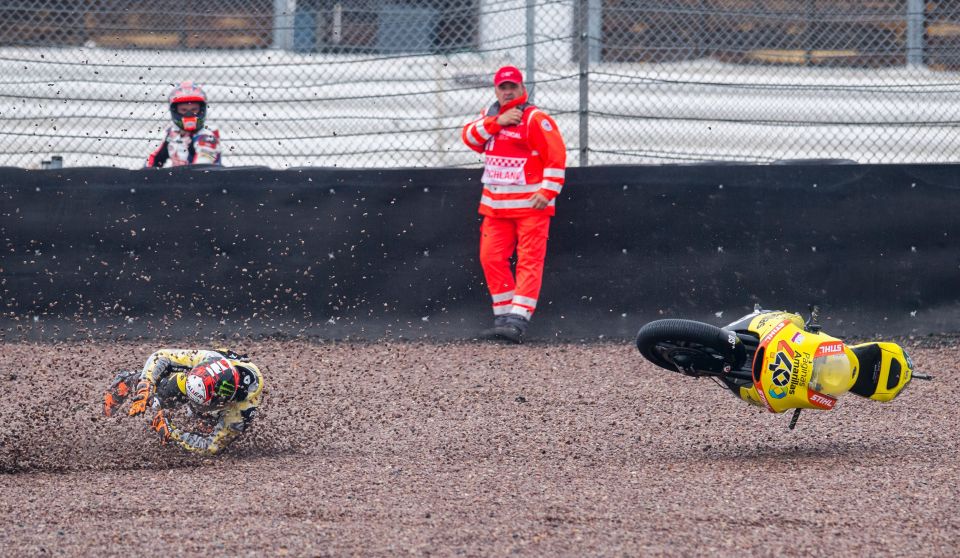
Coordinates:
<point>793,368</point>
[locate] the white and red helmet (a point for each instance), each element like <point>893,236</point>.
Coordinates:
<point>213,383</point>
<point>188,92</point>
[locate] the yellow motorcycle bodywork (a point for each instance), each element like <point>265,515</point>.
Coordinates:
<point>775,360</point>
<point>782,366</point>
<point>890,374</point>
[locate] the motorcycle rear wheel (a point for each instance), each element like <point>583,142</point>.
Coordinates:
<point>690,347</point>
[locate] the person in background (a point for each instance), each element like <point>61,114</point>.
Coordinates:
<point>189,141</point>
<point>524,167</point>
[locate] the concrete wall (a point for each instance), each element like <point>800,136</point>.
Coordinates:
<point>368,253</point>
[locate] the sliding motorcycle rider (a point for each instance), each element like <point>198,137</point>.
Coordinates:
<point>221,389</point>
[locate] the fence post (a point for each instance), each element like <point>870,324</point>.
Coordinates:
<point>915,16</point>
<point>583,28</point>
<point>594,29</point>
<point>282,25</point>
<point>531,50</point>
<point>336,28</point>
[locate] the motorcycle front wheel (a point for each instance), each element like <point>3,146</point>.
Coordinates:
<point>690,347</point>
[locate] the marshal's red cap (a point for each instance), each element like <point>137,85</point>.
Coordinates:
<point>507,73</point>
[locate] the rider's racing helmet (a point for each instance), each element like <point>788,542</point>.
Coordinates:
<point>188,92</point>
<point>832,370</point>
<point>212,383</point>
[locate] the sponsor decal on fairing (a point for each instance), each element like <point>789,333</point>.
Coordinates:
<point>829,348</point>
<point>773,332</point>
<point>821,400</point>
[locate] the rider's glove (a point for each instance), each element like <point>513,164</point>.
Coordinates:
<point>142,397</point>
<point>161,427</point>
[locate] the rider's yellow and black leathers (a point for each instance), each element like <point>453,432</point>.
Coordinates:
<point>167,370</point>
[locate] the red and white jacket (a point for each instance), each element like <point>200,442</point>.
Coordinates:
<point>519,160</point>
<point>201,147</point>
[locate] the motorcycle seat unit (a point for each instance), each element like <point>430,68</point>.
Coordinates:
<point>885,369</point>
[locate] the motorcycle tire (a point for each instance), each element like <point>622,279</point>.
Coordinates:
<point>690,347</point>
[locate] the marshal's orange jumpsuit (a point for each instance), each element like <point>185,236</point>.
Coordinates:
<point>520,161</point>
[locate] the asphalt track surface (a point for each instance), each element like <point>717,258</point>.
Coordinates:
<point>469,449</point>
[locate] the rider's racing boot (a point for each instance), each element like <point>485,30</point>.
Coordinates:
<point>119,390</point>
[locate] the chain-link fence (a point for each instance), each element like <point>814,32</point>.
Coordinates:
<point>389,83</point>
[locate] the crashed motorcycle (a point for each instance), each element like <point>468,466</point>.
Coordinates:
<point>778,360</point>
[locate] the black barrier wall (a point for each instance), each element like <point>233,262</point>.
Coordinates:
<point>373,253</point>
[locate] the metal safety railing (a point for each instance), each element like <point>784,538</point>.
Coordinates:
<point>377,83</point>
